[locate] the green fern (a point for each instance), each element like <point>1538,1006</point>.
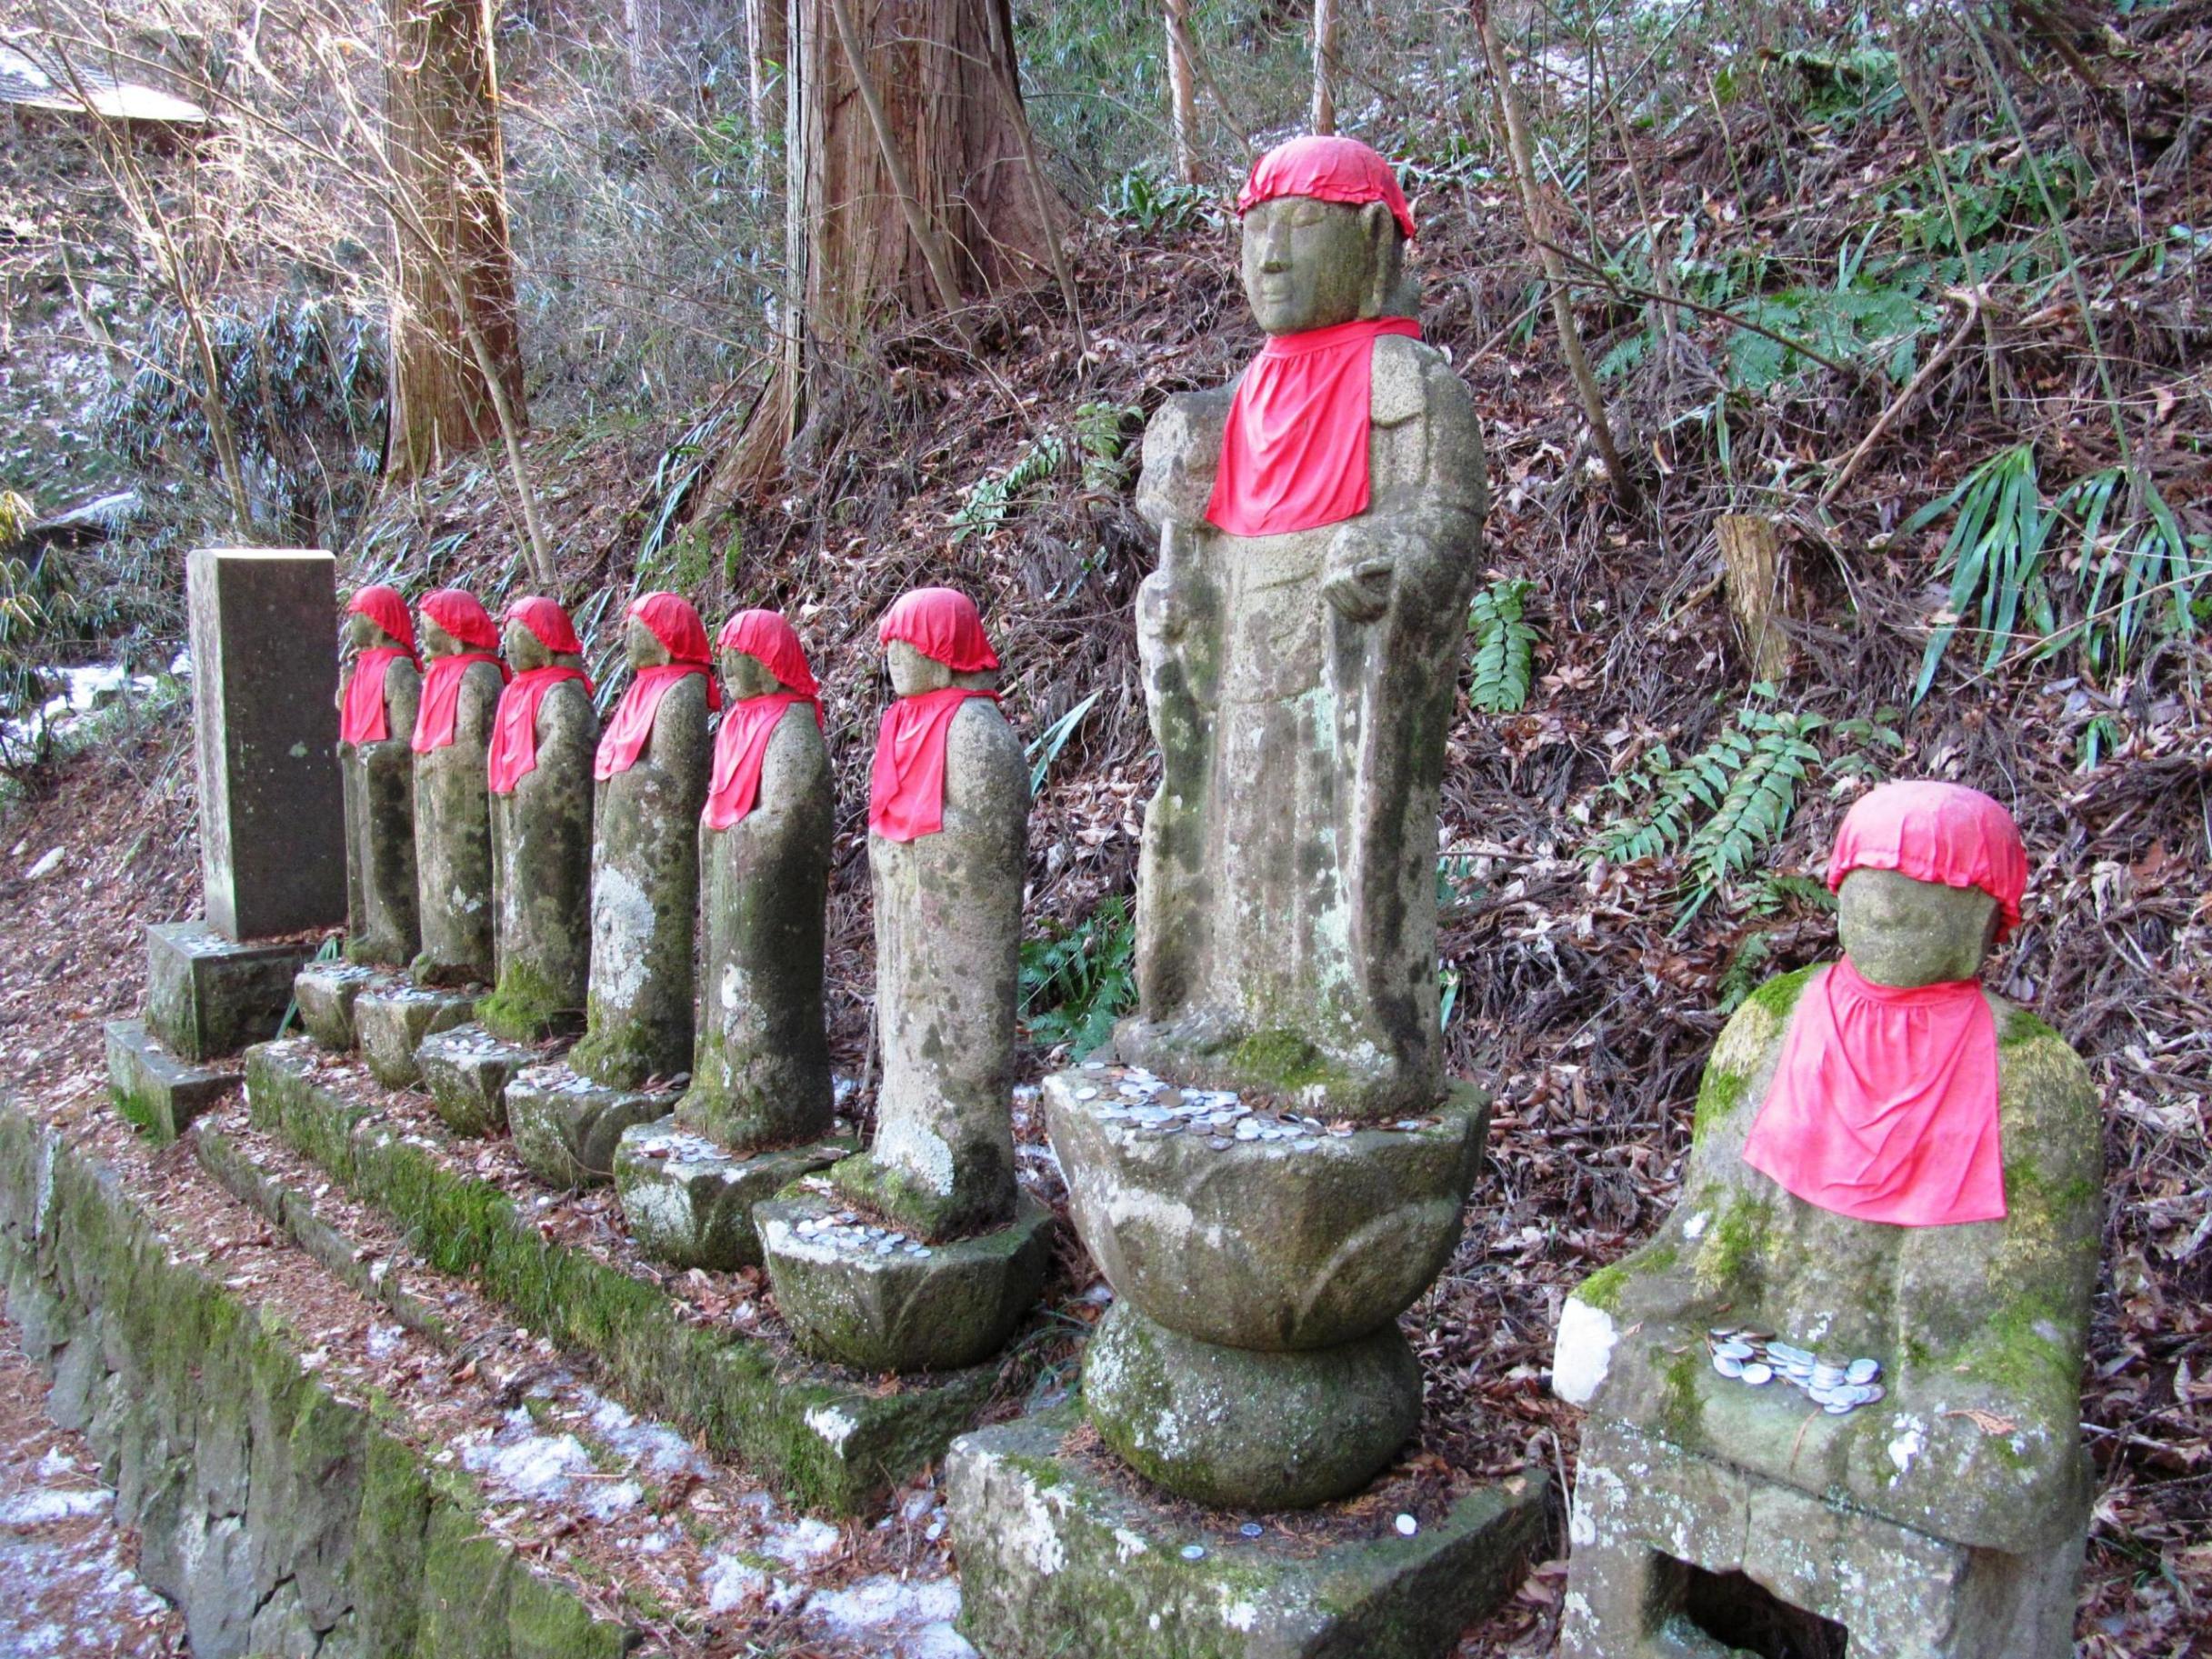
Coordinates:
<point>987,503</point>
<point>1075,985</point>
<point>1102,436</point>
<point>1504,647</point>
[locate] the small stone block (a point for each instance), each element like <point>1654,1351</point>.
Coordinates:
<point>208,996</point>
<point>875,1299</point>
<point>689,1203</point>
<point>1057,1559</point>
<point>567,1126</point>
<point>390,1025</point>
<point>155,1090</point>
<point>467,1070</point>
<point>324,993</point>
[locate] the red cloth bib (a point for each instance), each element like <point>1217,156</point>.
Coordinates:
<point>1884,1104</point>
<point>433,718</point>
<point>1293,453</point>
<point>361,715</point>
<point>907,784</point>
<point>741,747</point>
<point>631,729</point>
<point>514,728</point>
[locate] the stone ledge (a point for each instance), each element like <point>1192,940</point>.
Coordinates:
<point>208,996</point>
<point>155,1090</point>
<point>279,1516</point>
<point>829,1436</point>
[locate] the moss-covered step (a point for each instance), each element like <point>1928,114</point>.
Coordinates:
<point>281,1517</point>
<point>1060,1555</point>
<point>832,1440</point>
<point>567,1127</point>
<point>467,1070</point>
<point>392,1021</point>
<point>324,992</point>
<point>208,996</point>
<point>689,1203</point>
<point>155,1090</point>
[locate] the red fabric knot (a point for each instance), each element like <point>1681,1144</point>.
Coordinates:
<point>514,754</point>
<point>772,642</point>
<point>1294,450</point>
<point>1327,169</point>
<point>670,619</point>
<point>944,626</point>
<point>548,622</point>
<point>906,783</point>
<point>1936,832</point>
<point>384,607</point>
<point>462,615</point>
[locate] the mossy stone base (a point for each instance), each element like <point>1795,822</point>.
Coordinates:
<point>467,1070</point>
<point>1058,1560</point>
<point>209,995</point>
<point>324,993</point>
<point>866,1181</point>
<point>567,1127</point>
<point>391,1024</point>
<point>936,1308</point>
<point>1237,1429</point>
<point>690,1204</point>
<point>525,1007</point>
<point>155,1090</point>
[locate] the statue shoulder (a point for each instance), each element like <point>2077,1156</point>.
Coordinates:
<point>1410,378</point>
<point>2045,1097</point>
<point>981,747</point>
<point>1744,1058</point>
<point>1182,450</point>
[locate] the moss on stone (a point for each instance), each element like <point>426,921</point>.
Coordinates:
<point>2021,1027</point>
<point>1604,1289</point>
<point>1780,994</point>
<point>1280,1059</point>
<point>1737,1238</point>
<point>1718,1095</point>
<point>525,1005</point>
<point>1681,1412</point>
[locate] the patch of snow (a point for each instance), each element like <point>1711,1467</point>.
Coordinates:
<point>37,1508</point>
<point>804,1539</point>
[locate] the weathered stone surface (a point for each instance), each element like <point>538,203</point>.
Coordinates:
<point>567,1127</point>
<point>1645,1511</point>
<point>155,1090</point>
<point>265,689</point>
<point>897,1303</point>
<point>1299,686</point>
<point>541,865</point>
<point>467,1070</point>
<point>453,832</point>
<point>644,894</point>
<point>392,1023</point>
<point>1058,1560</point>
<point>381,924</point>
<point>1266,1244</point>
<point>207,994</point>
<point>947,963</point>
<point>1237,1429</point>
<point>760,1073</point>
<point>689,1202</point>
<point>324,993</point>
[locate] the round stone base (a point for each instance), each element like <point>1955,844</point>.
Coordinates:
<point>689,1203</point>
<point>1239,1429</point>
<point>567,1126</point>
<point>877,1299</point>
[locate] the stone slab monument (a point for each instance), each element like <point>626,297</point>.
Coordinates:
<point>1838,1394</point>
<point>1272,1166</point>
<point>757,1114</point>
<point>272,830</point>
<point>921,1253</point>
<point>377,715</point>
<point>651,767</point>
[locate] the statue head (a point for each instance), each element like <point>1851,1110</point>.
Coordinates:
<point>1324,229</point>
<point>376,616</point>
<point>760,654</point>
<point>933,638</point>
<point>1927,877</point>
<point>453,621</point>
<point>664,628</point>
<point>538,634</point>
<point>525,651</point>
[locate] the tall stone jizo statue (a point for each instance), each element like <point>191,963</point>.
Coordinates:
<point>453,805</point>
<point>948,825</point>
<point>377,715</point>
<point>1849,1366</point>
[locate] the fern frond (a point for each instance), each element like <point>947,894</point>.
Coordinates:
<point>1504,647</point>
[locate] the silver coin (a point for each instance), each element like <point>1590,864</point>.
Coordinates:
<point>1821,1395</point>
<point>1721,1332</point>
<point>1827,1376</point>
<point>1792,1355</point>
<point>1838,1407</point>
<point>1757,1375</point>
<point>1862,1371</point>
<point>1086,1094</point>
<point>1733,1350</point>
<point>1252,1529</point>
<point>1194,1552</point>
<point>1727,1364</point>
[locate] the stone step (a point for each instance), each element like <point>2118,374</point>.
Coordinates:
<point>703,1353</point>
<point>156,1090</point>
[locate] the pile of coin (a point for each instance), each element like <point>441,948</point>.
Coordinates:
<point>1756,1357</point>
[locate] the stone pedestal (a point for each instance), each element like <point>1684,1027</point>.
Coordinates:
<point>689,1202</point>
<point>567,1127</point>
<point>264,681</point>
<point>391,1024</point>
<point>155,1090</point>
<point>207,994</point>
<point>324,993</point>
<point>1058,1557</point>
<point>467,1070</point>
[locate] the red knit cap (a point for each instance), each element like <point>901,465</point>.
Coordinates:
<point>943,625</point>
<point>671,620</point>
<point>1327,169</point>
<point>384,607</point>
<point>462,615</point>
<point>548,622</point>
<point>1936,832</point>
<point>767,637</point>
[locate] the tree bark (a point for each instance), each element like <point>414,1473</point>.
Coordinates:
<point>454,324</point>
<point>1758,588</point>
<point>1325,66</point>
<point>1183,107</point>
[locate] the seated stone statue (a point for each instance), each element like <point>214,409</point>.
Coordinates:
<point>377,713</point>
<point>453,805</point>
<point>1848,1365</point>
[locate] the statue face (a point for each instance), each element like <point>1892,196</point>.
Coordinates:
<point>1309,264</point>
<point>746,676</point>
<point>642,646</point>
<point>1904,933</point>
<point>524,650</point>
<point>913,674</point>
<point>436,641</point>
<point>361,634</point>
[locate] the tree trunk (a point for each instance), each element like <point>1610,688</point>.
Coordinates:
<point>1325,66</point>
<point>1759,590</point>
<point>1182,106</point>
<point>641,29</point>
<point>453,311</point>
<point>765,32</point>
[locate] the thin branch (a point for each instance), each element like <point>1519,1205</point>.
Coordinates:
<point>1904,399</point>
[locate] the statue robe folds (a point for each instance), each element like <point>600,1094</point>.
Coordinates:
<point>1300,688</point>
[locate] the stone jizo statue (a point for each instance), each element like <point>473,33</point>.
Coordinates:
<point>539,771</point>
<point>453,805</point>
<point>377,715</point>
<point>1848,1365</point>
